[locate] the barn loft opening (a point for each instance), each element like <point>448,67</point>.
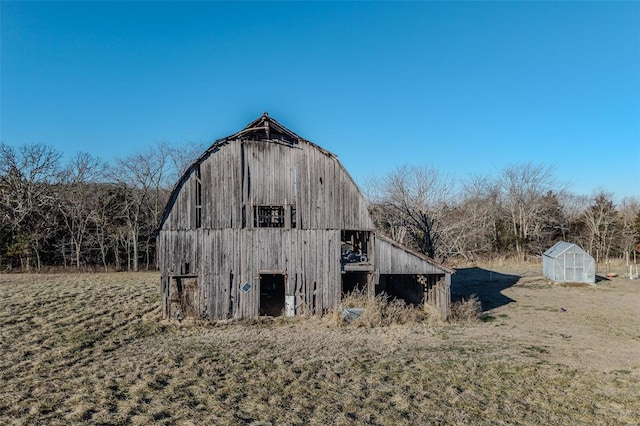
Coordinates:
<point>355,246</point>
<point>272,292</point>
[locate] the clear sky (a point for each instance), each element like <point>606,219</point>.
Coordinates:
<point>467,88</point>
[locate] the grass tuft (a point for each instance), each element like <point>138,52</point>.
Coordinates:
<point>467,310</point>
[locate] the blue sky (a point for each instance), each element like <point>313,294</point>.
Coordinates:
<point>467,88</point>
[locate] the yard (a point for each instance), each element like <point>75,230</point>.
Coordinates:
<point>90,348</point>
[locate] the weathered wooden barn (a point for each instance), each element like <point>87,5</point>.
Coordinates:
<point>265,222</point>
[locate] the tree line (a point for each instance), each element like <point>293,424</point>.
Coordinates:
<point>519,212</point>
<point>85,213</point>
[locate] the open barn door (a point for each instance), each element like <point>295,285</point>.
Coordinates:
<point>272,294</point>
<point>183,298</point>
<point>355,281</point>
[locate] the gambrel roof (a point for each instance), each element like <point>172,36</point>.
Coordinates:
<point>265,129</point>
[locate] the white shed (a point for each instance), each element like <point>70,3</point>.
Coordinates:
<point>568,262</point>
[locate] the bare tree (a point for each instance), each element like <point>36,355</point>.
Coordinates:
<point>471,226</point>
<point>636,230</point>
<point>26,176</point>
<point>180,157</point>
<point>416,199</point>
<point>143,180</point>
<point>105,222</point>
<point>553,225</point>
<point>523,188</point>
<point>629,239</point>
<point>78,199</point>
<point>599,219</point>
<point>387,221</point>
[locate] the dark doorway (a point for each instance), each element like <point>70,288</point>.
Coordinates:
<point>272,294</point>
<point>183,297</point>
<point>407,287</point>
<point>354,281</point>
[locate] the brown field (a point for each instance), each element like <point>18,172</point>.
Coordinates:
<point>90,348</point>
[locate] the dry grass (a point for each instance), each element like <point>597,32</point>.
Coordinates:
<point>466,310</point>
<point>90,349</point>
<point>383,311</point>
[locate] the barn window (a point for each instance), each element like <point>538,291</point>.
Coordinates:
<point>269,217</point>
<point>198,198</point>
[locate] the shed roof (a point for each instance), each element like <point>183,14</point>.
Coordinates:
<point>399,246</point>
<point>559,248</point>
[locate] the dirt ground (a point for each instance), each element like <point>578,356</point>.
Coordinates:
<point>583,326</point>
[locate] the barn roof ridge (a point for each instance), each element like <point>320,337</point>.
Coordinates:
<point>265,125</point>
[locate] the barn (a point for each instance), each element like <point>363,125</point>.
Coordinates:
<point>265,222</point>
<point>568,262</point>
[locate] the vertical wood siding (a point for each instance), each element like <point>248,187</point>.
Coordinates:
<point>310,259</point>
<point>392,259</point>
<point>250,173</point>
<point>227,251</point>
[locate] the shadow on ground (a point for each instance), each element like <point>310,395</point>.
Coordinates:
<point>487,285</point>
